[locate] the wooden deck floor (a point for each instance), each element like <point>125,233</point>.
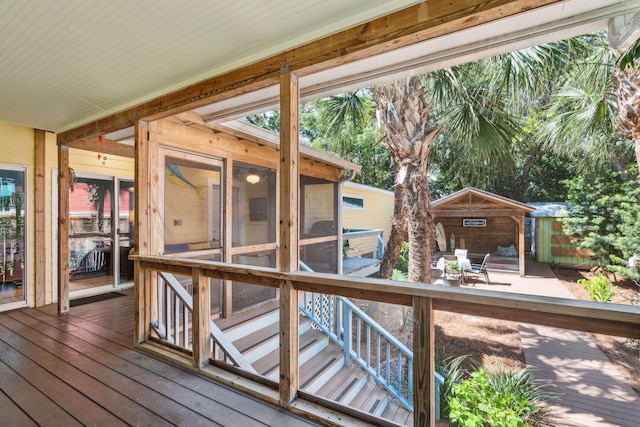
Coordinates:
<point>82,370</point>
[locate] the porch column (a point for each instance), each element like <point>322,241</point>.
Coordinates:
<point>63,230</point>
<point>141,294</point>
<point>424,413</point>
<point>519,220</point>
<point>40,234</point>
<point>288,222</point>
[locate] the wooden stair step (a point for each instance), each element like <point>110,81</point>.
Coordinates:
<point>265,340</point>
<point>372,399</point>
<point>239,318</point>
<point>248,323</point>
<point>398,413</point>
<point>345,385</point>
<point>269,364</point>
<point>321,368</point>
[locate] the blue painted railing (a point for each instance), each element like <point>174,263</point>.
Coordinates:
<point>367,343</point>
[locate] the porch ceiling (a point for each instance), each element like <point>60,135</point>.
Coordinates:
<point>69,63</point>
<point>65,63</point>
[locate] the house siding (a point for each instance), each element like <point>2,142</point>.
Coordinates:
<point>377,213</point>
<point>556,247</point>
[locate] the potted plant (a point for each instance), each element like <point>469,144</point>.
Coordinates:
<point>452,275</point>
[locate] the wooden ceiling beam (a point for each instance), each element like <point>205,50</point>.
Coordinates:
<point>414,24</point>
<point>475,213</point>
<point>106,146</point>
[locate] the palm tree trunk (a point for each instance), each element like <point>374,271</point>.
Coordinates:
<point>397,235</point>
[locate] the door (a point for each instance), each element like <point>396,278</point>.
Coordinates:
<point>100,233</point>
<point>13,232</point>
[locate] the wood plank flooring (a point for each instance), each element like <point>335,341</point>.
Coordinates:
<point>82,370</point>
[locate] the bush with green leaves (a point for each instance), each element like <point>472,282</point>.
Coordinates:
<point>504,398</point>
<point>599,288</point>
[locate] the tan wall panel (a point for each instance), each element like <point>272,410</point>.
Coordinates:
<point>88,162</point>
<point>377,213</point>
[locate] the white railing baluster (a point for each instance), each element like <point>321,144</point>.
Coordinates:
<point>167,312</point>
<point>185,325</point>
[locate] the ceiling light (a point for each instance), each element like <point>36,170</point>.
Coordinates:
<point>253,179</point>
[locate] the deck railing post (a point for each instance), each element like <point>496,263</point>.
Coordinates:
<point>423,363</point>
<point>201,341</point>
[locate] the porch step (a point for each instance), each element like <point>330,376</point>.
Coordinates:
<point>265,340</point>
<point>243,324</point>
<point>502,263</point>
<point>311,343</point>
<point>372,399</point>
<point>398,413</point>
<point>345,385</point>
<point>318,370</point>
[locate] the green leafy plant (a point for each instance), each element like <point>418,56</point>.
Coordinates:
<point>502,399</point>
<point>453,373</point>
<point>599,288</point>
<point>452,267</point>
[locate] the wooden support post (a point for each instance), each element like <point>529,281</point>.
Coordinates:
<point>200,319</point>
<point>289,245</point>
<point>519,220</point>
<point>423,363</point>
<point>141,233</point>
<point>521,245</point>
<point>227,285</point>
<point>40,232</point>
<point>63,230</point>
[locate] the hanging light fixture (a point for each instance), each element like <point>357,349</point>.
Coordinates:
<point>253,179</point>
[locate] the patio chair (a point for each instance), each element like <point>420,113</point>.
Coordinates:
<point>480,269</point>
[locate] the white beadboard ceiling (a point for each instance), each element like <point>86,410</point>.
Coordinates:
<point>68,62</point>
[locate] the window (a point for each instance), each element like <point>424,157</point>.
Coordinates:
<point>352,202</point>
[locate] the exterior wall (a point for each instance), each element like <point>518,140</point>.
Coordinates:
<point>500,231</point>
<point>88,162</point>
<point>377,212</point>
<point>18,147</point>
<point>554,246</point>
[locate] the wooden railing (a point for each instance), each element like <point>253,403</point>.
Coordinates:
<point>611,319</point>
<point>173,323</point>
<point>372,347</point>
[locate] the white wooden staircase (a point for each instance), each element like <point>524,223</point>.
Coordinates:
<point>322,363</point>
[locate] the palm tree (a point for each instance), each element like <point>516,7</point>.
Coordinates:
<point>581,117</point>
<point>405,113</point>
<point>482,107</point>
<point>626,89</point>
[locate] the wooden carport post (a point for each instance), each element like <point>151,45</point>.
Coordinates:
<point>288,222</point>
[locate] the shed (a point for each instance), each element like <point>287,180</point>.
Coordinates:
<point>483,222</point>
<point>549,242</point>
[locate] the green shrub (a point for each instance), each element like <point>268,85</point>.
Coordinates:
<point>502,399</point>
<point>599,288</point>
<point>453,373</point>
<point>399,276</point>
